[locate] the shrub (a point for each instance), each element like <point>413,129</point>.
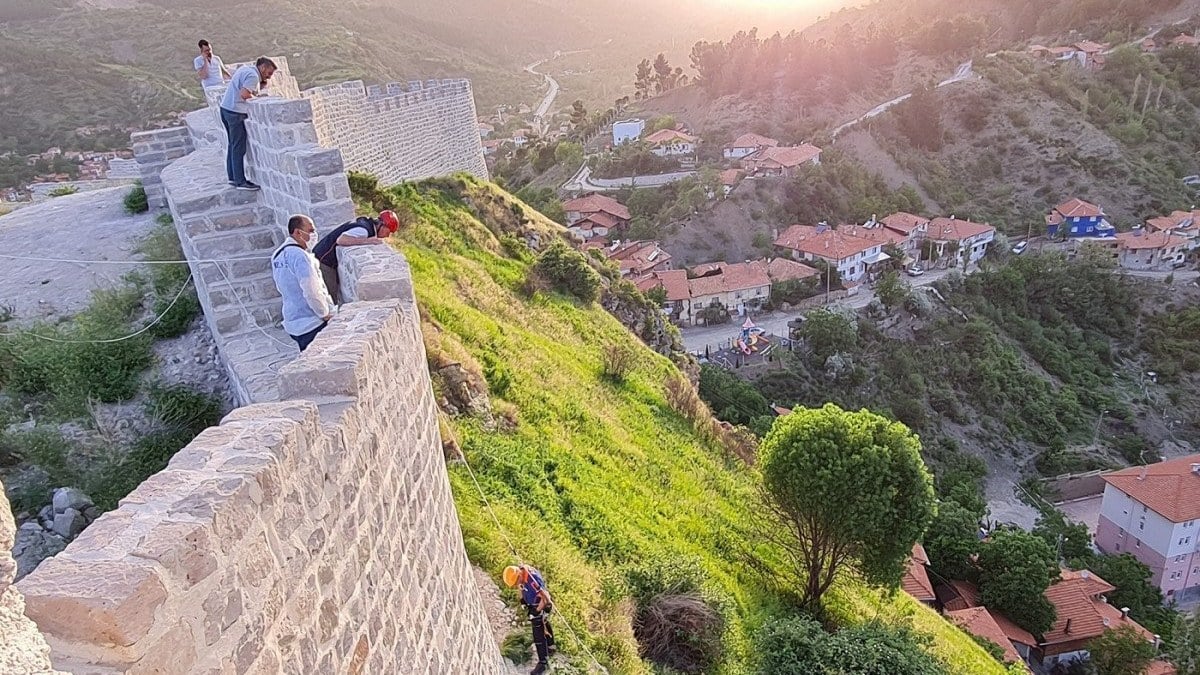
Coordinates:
<point>678,623</point>
<point>567,271</point>
<point>63,191</point>
<point>162,243</point>
<point>135,200</point>
<point>618,360</point>
<point>798,646</point>
<point>181,407</point>
<point>44,452</point>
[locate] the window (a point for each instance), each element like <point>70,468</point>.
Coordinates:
<point>1137,543</point>
<point>1185,540</point>
<point>1141,524</point>
<point>1189,523</point>
<point>1120,532</point>
<point>1118,546</point>
<point>1143,508</point>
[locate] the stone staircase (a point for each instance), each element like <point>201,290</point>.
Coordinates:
<point>228,237</point>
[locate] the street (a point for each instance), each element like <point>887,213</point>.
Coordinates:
<point>697,338</point>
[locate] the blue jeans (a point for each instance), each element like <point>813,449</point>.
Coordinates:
<point>305,340</point>
<point>235,156</point>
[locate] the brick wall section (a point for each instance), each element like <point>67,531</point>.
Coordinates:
<point>22,647</point>
<point>313,535</point>
<point>154,150</point>
<point>401,132</point>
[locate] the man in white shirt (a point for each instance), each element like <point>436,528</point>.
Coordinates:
<point>307,307</point>
<point>210,69</point>
<point>243,86</point>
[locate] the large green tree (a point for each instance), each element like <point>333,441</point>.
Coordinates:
<point>1121,651</point>
<point>951,540</point>
<point>1185,648</point>
<point>848,492</point>
<point>1133,590</point>
<point>1015,569</point>
<point>828,333</point>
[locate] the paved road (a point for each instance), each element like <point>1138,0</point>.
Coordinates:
<point>582,181</point>
<point>552,90</point>
<point>963,72</point>
<point>696,339</point>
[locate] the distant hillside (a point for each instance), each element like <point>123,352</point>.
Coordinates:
<point>591,476</point>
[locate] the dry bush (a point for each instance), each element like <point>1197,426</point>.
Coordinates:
<point>618,361</point>
<point>679,631</point>
<point>683,399</point>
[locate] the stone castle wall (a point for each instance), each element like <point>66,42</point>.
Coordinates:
<point>316,534</point>
<point>401,132</point>
<point>22,647</point>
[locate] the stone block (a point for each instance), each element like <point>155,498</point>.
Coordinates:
<point>318,162</point>
<point>185,551</point>
<point>331,214</point>
<point>281,111</point>
<point>104,603</point>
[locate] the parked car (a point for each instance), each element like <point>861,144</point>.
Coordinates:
<point>1020,247</point>
<point>1192,180</point>
<point>915,270</point>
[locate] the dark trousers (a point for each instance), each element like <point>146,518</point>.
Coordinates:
<point>235,155</point>
<point>332,282</point>
<point>307,338</point>
<point>543,635</point>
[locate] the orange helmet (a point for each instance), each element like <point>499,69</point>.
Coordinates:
<point>388,220</point>
<point>512,575</point>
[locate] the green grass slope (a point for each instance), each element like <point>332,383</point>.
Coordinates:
<point>586,475</point>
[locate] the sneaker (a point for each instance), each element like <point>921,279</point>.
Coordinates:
<point>540,668</point>
<point>248,186</point>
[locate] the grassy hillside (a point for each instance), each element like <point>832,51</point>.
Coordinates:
<point>586,474</point>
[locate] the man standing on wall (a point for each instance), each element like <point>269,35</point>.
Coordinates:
<point>537,602</point>
<point>307,307</point>
<point>243,86</point>
<point>210,69</point>
<point>362,232</point>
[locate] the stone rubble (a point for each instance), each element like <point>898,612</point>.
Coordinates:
<point>56,525</point>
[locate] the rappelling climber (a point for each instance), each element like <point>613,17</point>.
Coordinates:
<point>537,602</point>
<point>361,232</point>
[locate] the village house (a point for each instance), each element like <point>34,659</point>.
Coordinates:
<point>1153,513</point>
<point>627,130</point>
<point>783,161</point>
<point>1142,250</point>
<point>1082,614</point>
<point>1149,45</point>
<point>968,240</point>
<point>671,142</point>
<point>521,137</point>
<point>490,147</point>
<point>748,144</point>
<point>675,286</point>
<point>1090,55</point>
<point>595,216</point>
<point>1184,224</point>
<point>486,129</point>
<point>874,230</point>
<point>981,622</point>
<point>915,581</point>
<point>913,228</point>
<point>853,257</point>
<point>730,179</point>
<point>1077,218</point>
<point>1185,40</point>
<point>638,258</point>
<point>739,288</point>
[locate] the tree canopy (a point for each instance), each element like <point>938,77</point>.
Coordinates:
<point>850,493</point>
<point>1121,651</point>
<point>1015,569</point>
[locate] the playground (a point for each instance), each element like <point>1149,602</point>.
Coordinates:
<point>752,346</point>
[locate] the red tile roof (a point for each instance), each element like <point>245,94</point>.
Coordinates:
<point>737,277</point>
<point>904,223</point>
<point>1081,614</point>
<point>674,282</point>
<point>595,203</point>
<point>1077,208</point>
<point>830,244</point>
<point>669,136</point>
<point>786,157</point>
<point>965,595</point>
<point>1185,40</point>
<point>1170,488</point>
<point>955,229</point>
<point>731,177</point>
<point>878,233</point>
<point>601,218</point>
<point>978,621</point>
<point>1177,219</point>
<point>1090,47</point>
<point>1012,631</point>
<point>753,141</point>
<point>1141,240</point>
<point>1159,668</point>
<point>916,579</point>
<point>782,269</point>
<point>637,257</point>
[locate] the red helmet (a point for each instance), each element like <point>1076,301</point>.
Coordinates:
<point>389,220</point>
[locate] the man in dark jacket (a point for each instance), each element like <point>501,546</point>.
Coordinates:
<point>361,232</point>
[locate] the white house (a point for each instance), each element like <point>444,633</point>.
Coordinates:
<point>970,239</point>
<point>1142,250</point>
<point>852,256</point>
<point>748,144</point>
<point>671,142</point>
<point>627,130</point>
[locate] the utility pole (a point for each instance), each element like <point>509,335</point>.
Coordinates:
<point>1096,433</point>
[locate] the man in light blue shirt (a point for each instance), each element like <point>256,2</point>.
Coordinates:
<point>307,307</point>
<point>243,86</point>
<point>210,69</point>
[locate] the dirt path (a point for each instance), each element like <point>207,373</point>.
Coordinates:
<point>86,226</point>
<point>862,145</point>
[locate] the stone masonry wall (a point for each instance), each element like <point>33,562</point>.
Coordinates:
<point>154,150</point>
<point>313,535</point>
<point>401,132</point>
<point>22,647</point>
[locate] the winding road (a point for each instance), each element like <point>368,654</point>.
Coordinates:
<point>552,90</point>
<point>582,181</point>
<point>963,72</point>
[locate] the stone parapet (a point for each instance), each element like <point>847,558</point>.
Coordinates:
<point>154,150</point>
<point>317,534</point>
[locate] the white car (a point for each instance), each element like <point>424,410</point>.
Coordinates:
<point>1020,247</point>
<point>915,271</point>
